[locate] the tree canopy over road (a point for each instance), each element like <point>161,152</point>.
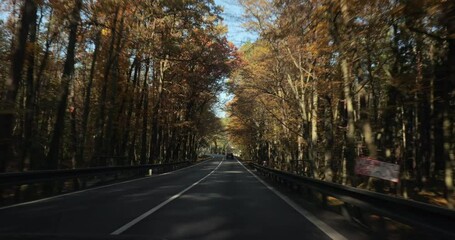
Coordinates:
<point>96,83</point>
<point>87,83</point>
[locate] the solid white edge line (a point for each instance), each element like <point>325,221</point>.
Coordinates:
<point>100,187</point>
<point>329,231</point>
<point>151,211</point>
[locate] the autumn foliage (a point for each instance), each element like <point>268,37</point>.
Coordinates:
<point>329,81</point>
<point>100,83</point>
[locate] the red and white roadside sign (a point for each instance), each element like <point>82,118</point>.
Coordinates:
<point>374,168</point>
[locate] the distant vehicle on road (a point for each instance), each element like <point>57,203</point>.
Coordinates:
<point>229,156</point>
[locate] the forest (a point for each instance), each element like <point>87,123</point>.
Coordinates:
<point>88,83</point>
<point>329,81</point>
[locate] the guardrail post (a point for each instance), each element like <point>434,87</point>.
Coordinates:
<point>324,200</point>
<point>17,193</point>
<point>382,228</point>
<point>84,182</point>
<point>60,185</point>
<point>309,194</point>
<point>76,184</point>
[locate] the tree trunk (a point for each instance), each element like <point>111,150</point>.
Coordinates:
<point>68,70</point>
<point>145,114</point>
<point>100,147</point>
<point>348,111</point>
<point>448,110</point>
<point>88,94</point>
<point>30,96</point>
<point>7,118</point>
<point>136,66</point>
<point>112,126</point>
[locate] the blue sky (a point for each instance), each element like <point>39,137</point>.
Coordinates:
<point>233,19</point>
<point>237,34</point>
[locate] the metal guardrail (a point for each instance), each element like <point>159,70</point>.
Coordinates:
<point>17,178</point>
<point>434,219</point>
<point>20,187</point>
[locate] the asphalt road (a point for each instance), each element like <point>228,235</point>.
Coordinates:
<point>217,199</point>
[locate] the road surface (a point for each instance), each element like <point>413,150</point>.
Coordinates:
<point>217,199</point>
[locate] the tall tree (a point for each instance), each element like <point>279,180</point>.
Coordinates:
<point>7,116</point>
<point>68,70</point>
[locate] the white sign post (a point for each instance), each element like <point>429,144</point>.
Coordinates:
<point>374,168</point>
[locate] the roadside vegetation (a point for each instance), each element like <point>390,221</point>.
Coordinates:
<point>327,82</point>
<point>100,83</point>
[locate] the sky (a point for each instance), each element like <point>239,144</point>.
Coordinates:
<point>232,15</point>
<point>236,34</point>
